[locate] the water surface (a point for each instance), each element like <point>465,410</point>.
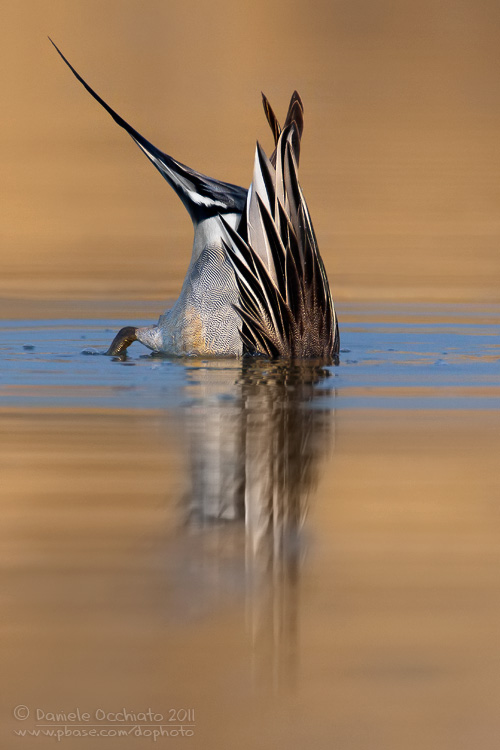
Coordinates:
<point>305,556</point>
<point>409,356</point>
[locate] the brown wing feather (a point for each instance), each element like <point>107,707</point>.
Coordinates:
<point>284,303</point>
<point>271,118</point>
<point>295,114</point>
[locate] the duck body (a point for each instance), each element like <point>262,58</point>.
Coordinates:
<point>203,320</point>
<point>256,283</point>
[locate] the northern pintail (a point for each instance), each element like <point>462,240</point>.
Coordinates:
<point>256,283</point>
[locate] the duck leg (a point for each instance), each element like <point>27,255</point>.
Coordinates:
<point>122,340</point>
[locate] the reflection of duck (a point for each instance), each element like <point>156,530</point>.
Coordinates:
<point>255,442</point>
<point>256,282</point>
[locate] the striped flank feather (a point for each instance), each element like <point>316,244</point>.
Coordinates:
<point>285,302</point>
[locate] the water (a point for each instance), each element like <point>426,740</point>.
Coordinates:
<point>396,356</point>
<point>304,556</point>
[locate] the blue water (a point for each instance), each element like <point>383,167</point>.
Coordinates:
<point>449,353</point>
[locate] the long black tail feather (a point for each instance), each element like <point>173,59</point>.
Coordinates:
<point>201,195</point>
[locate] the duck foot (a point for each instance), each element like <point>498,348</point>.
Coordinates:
<point>122,340</point>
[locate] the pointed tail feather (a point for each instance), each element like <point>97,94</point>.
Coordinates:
<point>201,195</point>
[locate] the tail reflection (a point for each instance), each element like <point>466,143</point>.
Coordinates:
<point>256,439</point>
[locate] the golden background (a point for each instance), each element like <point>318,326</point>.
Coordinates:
<point>398,616</point>
<point>401,152</point>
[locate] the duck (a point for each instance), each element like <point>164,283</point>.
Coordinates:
<point>256,284</point>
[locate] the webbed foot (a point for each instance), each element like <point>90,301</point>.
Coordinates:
<point>122,340</point>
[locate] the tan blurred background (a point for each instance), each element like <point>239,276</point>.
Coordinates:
<point>401,149</point>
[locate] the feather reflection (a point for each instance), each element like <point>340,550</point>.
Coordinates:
<point>256,442</point>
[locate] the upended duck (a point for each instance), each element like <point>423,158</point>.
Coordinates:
<point>256,283</point>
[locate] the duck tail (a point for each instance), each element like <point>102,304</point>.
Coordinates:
<point>201,195</point>
<point>285,302</point>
